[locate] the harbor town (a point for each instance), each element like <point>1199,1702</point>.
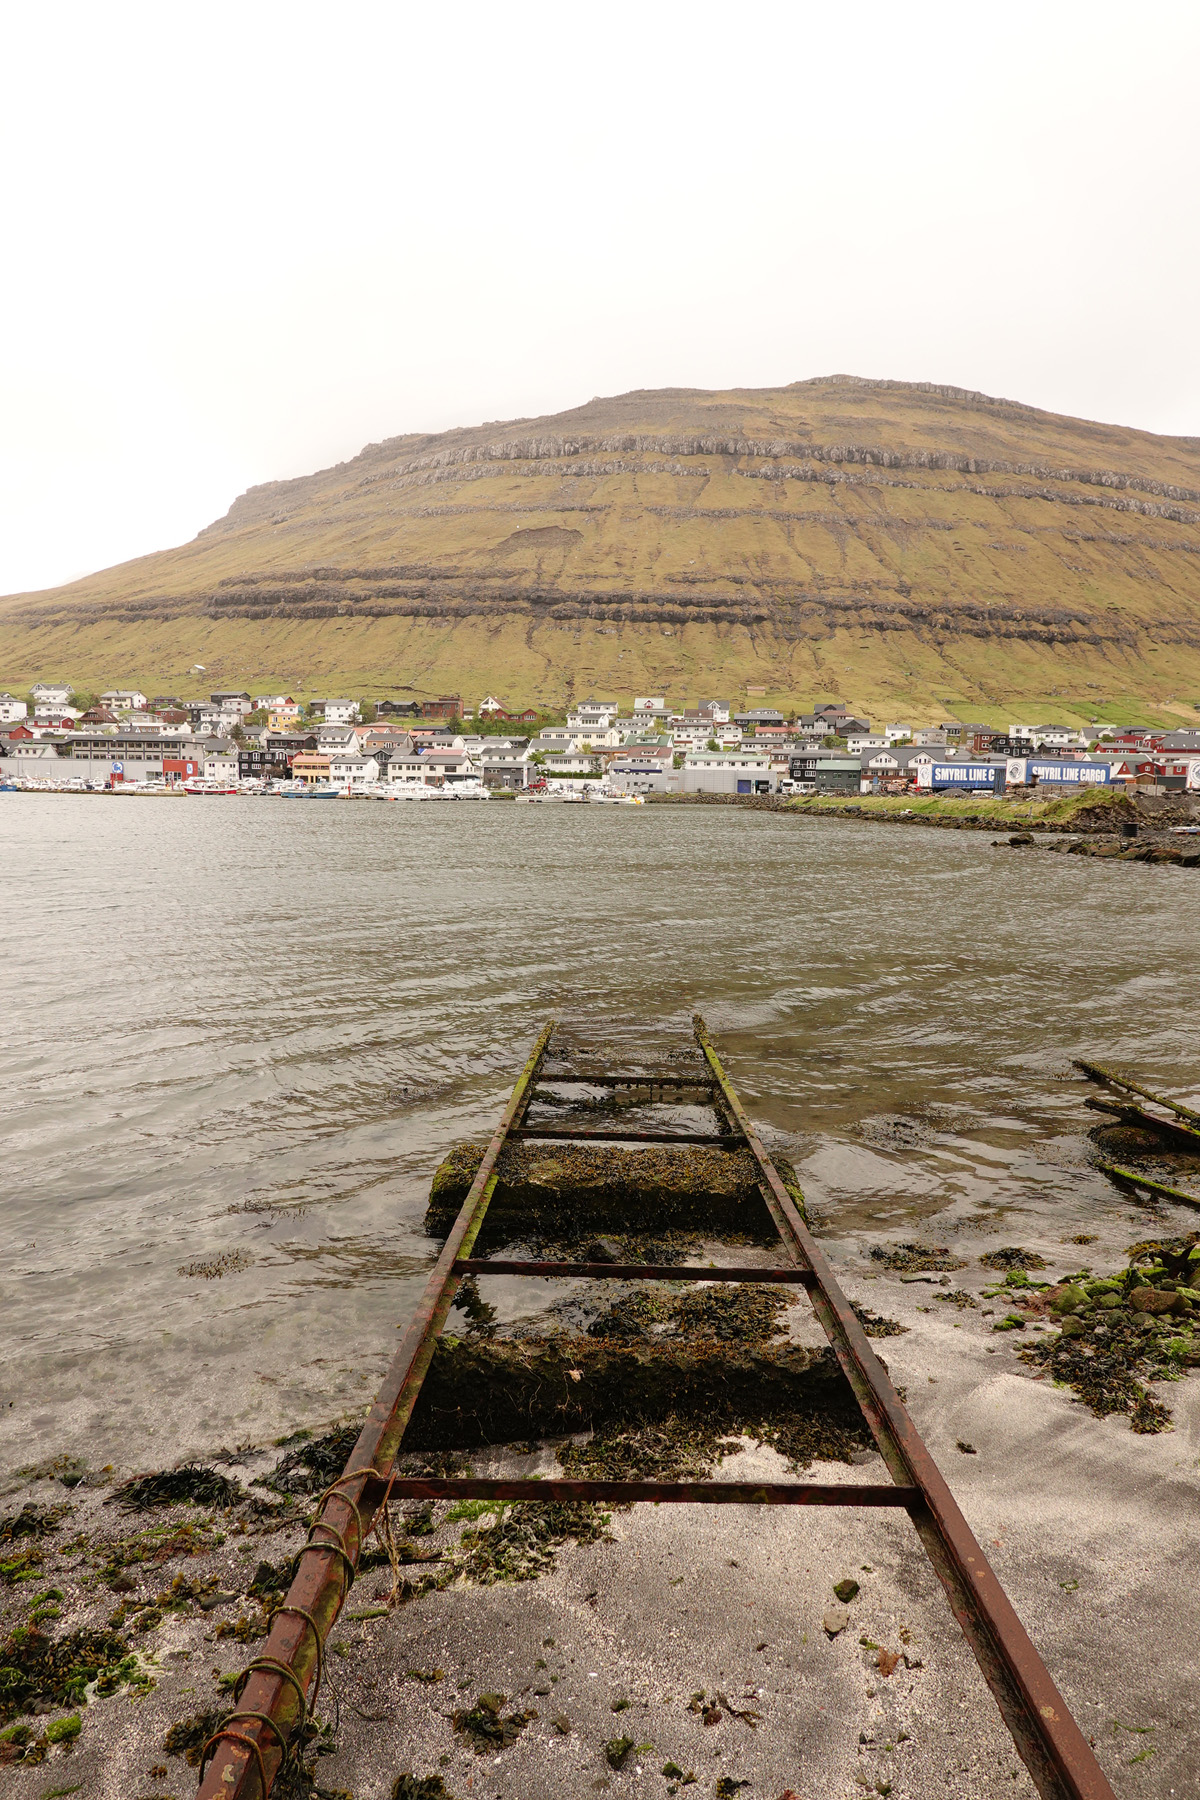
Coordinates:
<point>122,741</point>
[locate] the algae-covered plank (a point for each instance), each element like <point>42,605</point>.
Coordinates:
<point>563,1186</point>
<point>481,1391</point>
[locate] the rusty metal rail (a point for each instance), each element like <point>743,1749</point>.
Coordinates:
<point>242,1760</point>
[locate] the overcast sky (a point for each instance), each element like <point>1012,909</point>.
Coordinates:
<point>241,240</point>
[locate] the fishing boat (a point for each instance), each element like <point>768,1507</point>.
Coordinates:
<point>203,786</point>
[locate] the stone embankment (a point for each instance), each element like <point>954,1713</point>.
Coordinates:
<point>1127,828</point>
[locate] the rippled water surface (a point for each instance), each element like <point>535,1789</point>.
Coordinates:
<point>249,1030</point>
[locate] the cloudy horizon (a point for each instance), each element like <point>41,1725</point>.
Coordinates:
<point>245,242</point>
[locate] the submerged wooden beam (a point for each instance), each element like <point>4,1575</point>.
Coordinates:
<point>1128,1178</point>
<point>1097,1072</point>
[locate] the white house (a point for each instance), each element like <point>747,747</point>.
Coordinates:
<point>717,710</point>
<point>892,764</point>
<point>214,721</point>
<point>432,768</point>
<point>896,734</point>
<point>119,699</point>
<point>338,712</point>
<point>349,769</point>
<point>929,734</point>
<point>1052,737</point>
<point>600,737</point>
<point>51,693</point>
<point>593,715</point>
<point>570,762</point>
<point>855,746</point>
<point>220,759</point>
<point>338,737</point>
<point>649,710</point>
<point>11,710</point>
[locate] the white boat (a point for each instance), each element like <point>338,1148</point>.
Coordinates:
<point>203,785</point>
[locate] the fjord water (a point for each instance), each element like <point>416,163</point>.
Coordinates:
<point>245,1030</point>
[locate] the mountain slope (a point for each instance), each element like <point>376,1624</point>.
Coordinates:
<point>908,545</point>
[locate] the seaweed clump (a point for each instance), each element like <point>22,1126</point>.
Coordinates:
<point>31,1521</point>
<point>874,1324</point>
<point>917,1258</point>
<point>745,1315</point>
<point>603,1187</point>
<point>522,1544</point>
<point>311,1467</point>
<point>1013,1257</point>
<point>38,1669</point>
<point>21,1534</point>
<point>413,1787</point>
<point>1119,1332</point>
<point>188,1737</point>
<point>191,1483</point>
<point>484,1726</point>
<point>672,1449</point>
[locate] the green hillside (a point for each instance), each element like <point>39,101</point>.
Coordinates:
<point>912,548</point>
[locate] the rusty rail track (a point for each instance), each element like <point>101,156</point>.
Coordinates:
<point>243,1759</point>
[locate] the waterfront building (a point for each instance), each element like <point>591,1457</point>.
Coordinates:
<point>311,767</point>
<point>743,771</point>
<point>349,769</point>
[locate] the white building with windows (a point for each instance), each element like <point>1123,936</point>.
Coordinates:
<point>350,770</point>
<point>121,700</point>
<point>337,712</point>
<point>593,714</point>
<point>51,693</point>
<point>12,710</point>
<point>743,771</point>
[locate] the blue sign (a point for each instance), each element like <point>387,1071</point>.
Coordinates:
<point>968,775</point>
<point>118,768</point>
<point>1052,769</point>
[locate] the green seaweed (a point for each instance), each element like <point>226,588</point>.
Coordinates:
<point>602,1187</point>
<point>917,1258</point>
<point>1013,1256</point>
<point>1114,1338</point>
<point>507,1391</point>
<point>190,1483</point>
<point>875,1325</point>
<point>485,1727</point>
<point>313,1465</point>
<point>35,1668</point>
<point>188,1736</point>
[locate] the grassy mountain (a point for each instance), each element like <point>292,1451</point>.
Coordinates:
<point>909,547</point>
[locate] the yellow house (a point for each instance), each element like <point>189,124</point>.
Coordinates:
<point>310,765</point>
